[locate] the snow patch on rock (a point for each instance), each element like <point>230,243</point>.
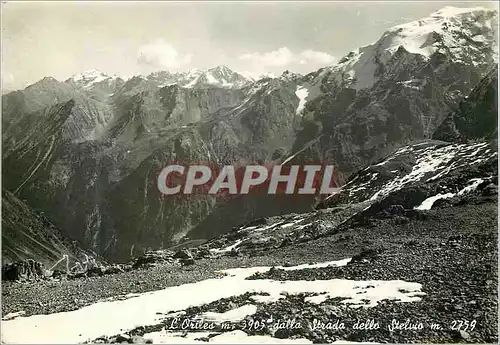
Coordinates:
<point>427,203</point>
<point>302,94</point>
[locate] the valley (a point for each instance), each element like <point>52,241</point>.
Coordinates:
<point>402,248</point>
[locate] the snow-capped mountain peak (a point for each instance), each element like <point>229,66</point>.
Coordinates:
<point>89,78</point>
<point>421,36</point>
<point>451,11</point>
<point>222,71</point>
<point>88,75</point>
<point>267,75</point>
<point>464,35</point>
<point>219,76</point>
<point>290,76</point>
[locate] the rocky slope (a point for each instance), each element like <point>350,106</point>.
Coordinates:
<point>87,151</point>
<point>29,235</point>
<point>412,178</point>
<point>476,116</point>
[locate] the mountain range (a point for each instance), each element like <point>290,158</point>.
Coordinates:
<point>85,152</point>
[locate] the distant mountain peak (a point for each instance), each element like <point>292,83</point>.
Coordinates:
<point>91,74</point>
<point>218,76</point>
<point>49,79</point>
<point>45,82</point>
<point>287,75</point>
<point>90,78</point>
<point>222,69</point>
<point>267,75</point>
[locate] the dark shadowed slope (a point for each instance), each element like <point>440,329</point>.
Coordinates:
<point>29,235</point>
<point>477,115</point>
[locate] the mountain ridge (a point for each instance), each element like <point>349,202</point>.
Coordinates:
<point>113,139</point>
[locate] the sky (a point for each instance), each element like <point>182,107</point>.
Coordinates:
<point>128,38</point>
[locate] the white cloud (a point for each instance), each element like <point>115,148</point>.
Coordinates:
<point>316,57</point>
<point>162,54</point>
<point>284,56</point>
<point>281,57</point>
<point>7,77</point>
<point>7,81</point>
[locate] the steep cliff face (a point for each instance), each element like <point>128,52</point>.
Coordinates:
<point>476,116</point>
<point>87,151</point>
<point>27,234</point>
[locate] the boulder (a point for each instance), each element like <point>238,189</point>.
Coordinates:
<point>365,255</point>
<point>188,261</point>
<point>151,258</point>
<point>203,252</point>
<point>395,210</point>
<point>23,270</point>
<point>185,257</point>
<point>183,254</point>
<point>95,271</point>
<point>490,190</point>
<point>57,274</point>
<point>113,269</point>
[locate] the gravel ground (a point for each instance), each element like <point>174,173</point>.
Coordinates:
<point>51,296</point>
<point>452,253</point>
